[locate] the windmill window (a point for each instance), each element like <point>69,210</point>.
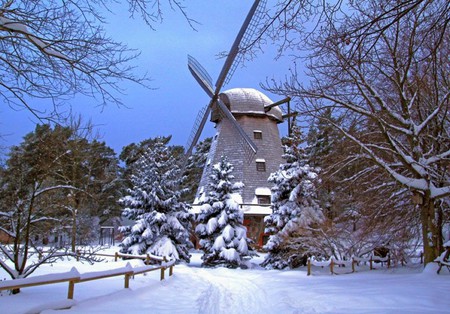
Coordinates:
<point>260,165</point>
<point>257,135</point>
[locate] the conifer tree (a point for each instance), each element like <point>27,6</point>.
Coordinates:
<point>162,221</point>
<point>294,207</point>
<point>194,168</point>
<point>223,237</point>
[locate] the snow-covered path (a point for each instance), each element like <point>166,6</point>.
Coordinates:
<point>193,289</point>
<point>224,293</point>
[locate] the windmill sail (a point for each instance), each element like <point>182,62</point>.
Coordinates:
<point>197,129</point>
<point>233,121</point>
<point>200,75</point>
<point>246,32</point>
<point>205,81</point>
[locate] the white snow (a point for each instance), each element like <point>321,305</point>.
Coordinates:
<point>263,191</point>
<point>211,225</point>
<point>257,210</point>
<point>16,26</point>
<point>192,289</point>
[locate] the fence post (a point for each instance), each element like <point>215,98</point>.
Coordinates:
<point>171,270</point>
<point>370,261</point>
<point>127,280</point>
<point>389,261</point>
<point>353,264</point>
<point>309,266</point>
<point>71,289</point>
<point>332,265</point>
<point>116,256</point>
<point>147,259</point>
<point>78,255</point>
<point>162,273</point>
<point>421,257</point>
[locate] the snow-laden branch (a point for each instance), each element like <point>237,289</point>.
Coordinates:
<point>418,129</point>
<point>33,221</point>
<point>414,183</point>
<point>9,25</point>
<point>6,214</point>
<point>8,232</point>
<point>55,187</point>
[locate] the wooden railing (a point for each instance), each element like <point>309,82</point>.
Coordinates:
<point>73,276</point>
<point>330,263</point>
<point>354,261</point>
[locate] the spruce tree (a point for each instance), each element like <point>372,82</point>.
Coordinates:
<point>294,207</point>
<point>223,237</point>
<point>194,168</point>
<point>161,221</point>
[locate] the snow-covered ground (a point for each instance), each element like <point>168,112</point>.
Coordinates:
<point>193,289</point>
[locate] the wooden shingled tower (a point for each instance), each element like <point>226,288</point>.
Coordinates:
<point>247,132</point>
<point>247,106</point>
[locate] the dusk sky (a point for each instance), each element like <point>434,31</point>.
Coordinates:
<point>170,108</point>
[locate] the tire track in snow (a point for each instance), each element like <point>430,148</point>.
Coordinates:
<point>227,292</point>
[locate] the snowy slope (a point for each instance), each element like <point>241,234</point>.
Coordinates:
<point>200,290</point>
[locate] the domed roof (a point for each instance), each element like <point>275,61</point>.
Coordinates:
<point>249,101</point>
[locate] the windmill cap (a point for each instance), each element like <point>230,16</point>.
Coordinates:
<point>250,101</point>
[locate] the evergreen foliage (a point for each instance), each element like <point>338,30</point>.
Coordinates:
<point>295,208</point>
<point>223,237</point>
<point>194,168</point>
<point>161,221</point>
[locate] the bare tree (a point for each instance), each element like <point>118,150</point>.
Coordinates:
<point>25,189</point>
<point>53,169</point>
<point>383,68</point>
<point>55,49</point>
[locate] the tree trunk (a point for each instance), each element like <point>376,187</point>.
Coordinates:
<point>74,230</point>
<point>431,233</point>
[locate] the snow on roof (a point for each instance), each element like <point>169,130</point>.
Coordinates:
<point>260,160</point>
<point>263,191</point>
<point>255,209</point>
<point>250,100</point>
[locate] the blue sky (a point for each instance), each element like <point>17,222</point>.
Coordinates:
<point>170,108</point>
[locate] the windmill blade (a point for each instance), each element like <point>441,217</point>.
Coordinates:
<point>205,81</point>
<point>223,108</point>
<point>200,75</point>
<point>225,74</point>
<point>197,129</point>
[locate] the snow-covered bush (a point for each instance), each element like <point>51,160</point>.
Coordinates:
<point>223,237</point>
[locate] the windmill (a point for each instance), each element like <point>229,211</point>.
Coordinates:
<point>243,117</point>
<point>205,81</point>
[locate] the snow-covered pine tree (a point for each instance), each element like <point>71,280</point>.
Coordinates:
<point>295,207</point>
<point>223,237</point>
<point>162,221</point>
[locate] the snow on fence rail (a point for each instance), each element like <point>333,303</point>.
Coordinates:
<point>147,257</point>
<point>354,261</point>
<point>73,276</point>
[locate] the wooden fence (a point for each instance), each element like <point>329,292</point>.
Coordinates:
<point>74,277</point>
<point>332,262</point>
